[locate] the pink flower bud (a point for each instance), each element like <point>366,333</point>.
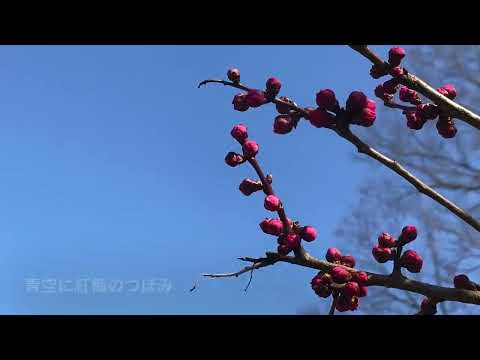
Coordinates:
<point>250,148</point>
<point>292,241</point>
<point>415,120</point>
<point>281,108</point>
<point>367,117</point>
<point>371,105</point>
<point>362,291</point>
<point>340,275</point>
<point>333,255</point>
<point>320,118</point>
<point>463,282</point>
<point>351,289</point>
<point>409,95</point>
<point>326,100</point>
<point>273,86</point>
<point>361,277</point>
<point>240,102</point>
<point>356,102</point>
<point>409,233</point>
<point>386,240</point>
<point>446,127</point>
<point>255,98</point>
<point>248,186</point>
<point>234,75</point>
<point>428,111</point>
<point>395,55</point>
<point>283,124</point>
<point>239,132</point>
<point>377,72</point>
<point>348,260</point>
<point>233,159</point>
<point>411,261</point>
<point>381,254</point>
<point>308,233</point>
<point>448,90</point>
<point>272,203</point>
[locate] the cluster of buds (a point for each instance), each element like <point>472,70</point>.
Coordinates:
<point>288,241</point>
<point>388,246</point>
<point>289,235</point>
<point>253,98</point>
<point>421,112</point>
<point>249,147</point>
<point>359,110</point>
<point>344,285</point>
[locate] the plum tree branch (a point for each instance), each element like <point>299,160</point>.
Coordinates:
<point>346,133</point>
<point>388,281</point>
<point>417,84</point>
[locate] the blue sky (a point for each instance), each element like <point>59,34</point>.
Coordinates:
<point>112,168</point>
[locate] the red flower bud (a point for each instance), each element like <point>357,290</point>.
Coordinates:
<point>308,233</point>
<point>321,279</point>
<point>320,118</point>
<point>340,275</point>
<point>463,282</point>
<point>240,102</point>
<point>292,241</point>
<point>239,132</point>
<point>409,95</point>
<point>351,289</point>
<point>356,102</point>
<point>273,86</point>
<point>361,277</point>
<point>272,226</point>
<point>371,105</point>
<point>250,148</point>
<point>367,117</point>
<point>248,186</point>
<point>395,55</point>
<point>415,120</point>
<point>362,291</point>
<point>272,203</point>
<point>428,111</point>
<point>326,100</point>
<point>411,261</point>
<point>234,75</point>
<point>348,260</point>
<point>386,240</point>
<point>333,254</point>
<point>381,254</point>
<point>283,124</point>
<point>233,159</point>
<point>409,233</point>
<point>446,127</point>
<point>448,91</point>
<point>255,98</point>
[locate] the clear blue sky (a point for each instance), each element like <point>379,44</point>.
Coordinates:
<point>113,168</point>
